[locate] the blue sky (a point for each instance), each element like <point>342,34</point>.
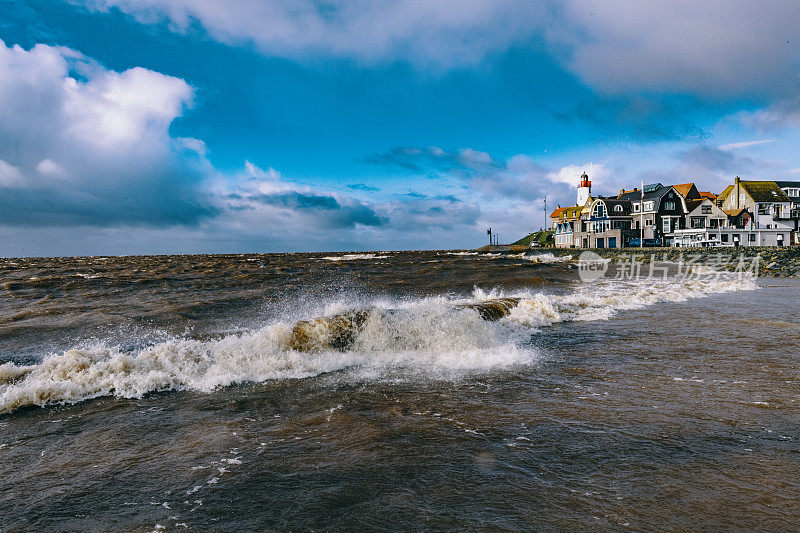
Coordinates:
<point>144,126</point>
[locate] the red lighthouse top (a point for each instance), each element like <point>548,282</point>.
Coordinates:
<point>585,180</point>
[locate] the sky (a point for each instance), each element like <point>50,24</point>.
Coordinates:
<point>210,126</point>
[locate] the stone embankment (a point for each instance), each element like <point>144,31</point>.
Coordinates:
<point>775,262</point>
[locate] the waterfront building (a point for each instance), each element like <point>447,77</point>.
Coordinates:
<point>566,222</point>
<point>657,211</point>
<point>605,224</point>
<point>767,204</point>
<point>747,213</point>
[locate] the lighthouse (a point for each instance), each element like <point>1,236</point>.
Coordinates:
<point>584,189</point>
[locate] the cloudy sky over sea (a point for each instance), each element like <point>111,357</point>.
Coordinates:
<point>149,126</point>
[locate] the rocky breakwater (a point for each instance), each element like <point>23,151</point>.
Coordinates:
<point>770,261</point>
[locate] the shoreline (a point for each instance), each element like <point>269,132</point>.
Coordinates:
<point>773,262</point>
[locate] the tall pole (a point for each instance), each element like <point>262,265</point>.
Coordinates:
<point>545,211</point>
<point>641,220</point>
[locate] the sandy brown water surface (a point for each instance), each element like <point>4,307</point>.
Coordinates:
<point>159,393</point>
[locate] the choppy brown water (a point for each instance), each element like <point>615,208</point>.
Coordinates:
<point>664,405</point>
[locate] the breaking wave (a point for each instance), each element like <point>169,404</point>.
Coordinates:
<point>431,337</point>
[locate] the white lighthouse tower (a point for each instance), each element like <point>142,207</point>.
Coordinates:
<point>584,189</point>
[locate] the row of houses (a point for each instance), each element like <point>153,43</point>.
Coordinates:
<point>746,213</point>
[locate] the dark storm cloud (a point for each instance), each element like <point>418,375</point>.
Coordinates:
<point>329,211</point>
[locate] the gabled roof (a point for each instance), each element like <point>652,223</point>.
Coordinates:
<point>573,211</point>
<point>721,197</point>
<point>612,202</point>
<point>687,190</point>
<point>707,194</point>
<point>764,191</point>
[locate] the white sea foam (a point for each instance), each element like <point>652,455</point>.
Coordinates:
<point>354,257</point>
<point>547,258</point>
<point>431,337</point>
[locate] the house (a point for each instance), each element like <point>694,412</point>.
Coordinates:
<point>792,190</point>
<point>709,225</point>
<point>767,204</point>
<point>756,213</point>
<point>564,220</point>
<point>657,211</point>
<point>606,223</point>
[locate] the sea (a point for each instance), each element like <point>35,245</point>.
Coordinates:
<point>383,391</point>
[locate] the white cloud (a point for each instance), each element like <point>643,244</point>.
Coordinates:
<point>599,175</point>
<point>10,176</point>
<point>85,144</point>
<point>444,32</point>
<point>745,144</point>
<point>713,48</point>
<point>718,48</point>
<point>51,169</point>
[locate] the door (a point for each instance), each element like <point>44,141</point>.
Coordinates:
<point>600,243</point>
<point>612,242</point>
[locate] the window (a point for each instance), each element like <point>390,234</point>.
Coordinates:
<point>706,209</point>
<point>752,237</point>
<point>715,223</point>
<point>665,225</point>
<point>763,209</point>
<point>669,206</point>
<point>618,208</point>
<point>636,207</point>
<point>698,222</point>
<point>741,197</point>
<point>648,222</point>
<point>648,206</point>
<point>599,210</point>
<point>724,237</point>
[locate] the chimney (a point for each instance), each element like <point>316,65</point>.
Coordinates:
<point>621,192</point>
<point>736,181</point>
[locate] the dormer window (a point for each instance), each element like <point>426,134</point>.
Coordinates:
<point>636,207</point>
<point>599,210</point>
<point>618,208</point>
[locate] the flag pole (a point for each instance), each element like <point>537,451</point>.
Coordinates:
<point>641,220</point>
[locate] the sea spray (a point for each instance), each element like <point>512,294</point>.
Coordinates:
<point>413,338</point>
